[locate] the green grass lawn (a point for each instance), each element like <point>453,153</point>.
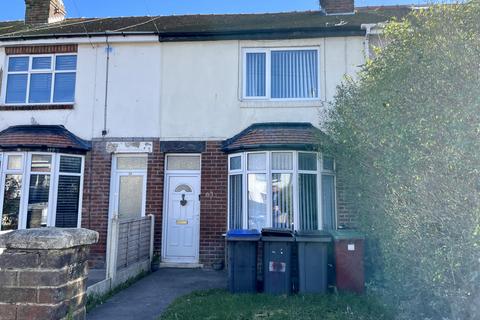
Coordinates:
<point>221,305</point>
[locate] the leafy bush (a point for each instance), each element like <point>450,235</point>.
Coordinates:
<point>407,135</point>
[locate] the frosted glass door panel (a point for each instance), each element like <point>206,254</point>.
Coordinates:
<point>130,196</point>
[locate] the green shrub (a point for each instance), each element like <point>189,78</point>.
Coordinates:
<point>407,135</point>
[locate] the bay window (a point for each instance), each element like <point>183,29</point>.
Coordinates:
<point>281,73</point>
<point>281,189</point>
<point>40,189</point>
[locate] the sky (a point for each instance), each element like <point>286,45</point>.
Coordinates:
<point>14,9</point>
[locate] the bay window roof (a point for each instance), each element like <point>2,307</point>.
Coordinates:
<point>41,137</point>
<point>276,135</point>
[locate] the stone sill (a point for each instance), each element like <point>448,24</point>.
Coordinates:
<point>32,107</point>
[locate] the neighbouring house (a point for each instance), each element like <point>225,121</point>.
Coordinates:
<point>207,122</point>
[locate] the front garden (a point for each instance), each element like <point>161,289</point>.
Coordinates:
<point>221,305</point>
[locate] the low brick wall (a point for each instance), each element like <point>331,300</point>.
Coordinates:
<point>43,273</point>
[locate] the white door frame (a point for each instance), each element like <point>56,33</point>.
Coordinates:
<point>166,184</point>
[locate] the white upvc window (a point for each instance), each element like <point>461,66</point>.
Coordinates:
<point>40,79</point>
<point>281,189</point>
<point>281,74</point>
<point>39,189</point>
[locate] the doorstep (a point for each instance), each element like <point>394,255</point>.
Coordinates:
<point>181,265</point>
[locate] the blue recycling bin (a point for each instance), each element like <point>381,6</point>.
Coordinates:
<point>242,260</point>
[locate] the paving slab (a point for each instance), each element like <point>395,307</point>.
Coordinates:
<point>149,297</point>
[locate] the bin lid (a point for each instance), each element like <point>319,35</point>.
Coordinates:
<point>347,234</point>
<point>277,235</point>
<point>313,236</point>
<point>242,234</point>
<point>277,232</point>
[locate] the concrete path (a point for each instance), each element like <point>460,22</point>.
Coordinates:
<point>149,297</point>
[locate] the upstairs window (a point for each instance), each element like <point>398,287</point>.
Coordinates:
<point>281,74</point>
<point>41,79</point>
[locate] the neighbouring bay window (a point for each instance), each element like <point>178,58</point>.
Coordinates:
<point>40,189</point>
<point>281,74</point>
<point>281,189</point>
<point>41,79</point>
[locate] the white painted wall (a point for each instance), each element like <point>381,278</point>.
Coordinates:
<point>182,90</point>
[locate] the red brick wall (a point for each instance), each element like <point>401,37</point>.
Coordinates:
<point>155,179</point>
<point>213,215</point>
<point>46,49</point>
<point>96,194</point>
<point>345,215</point>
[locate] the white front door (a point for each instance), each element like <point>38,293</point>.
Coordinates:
<point>182,219</point>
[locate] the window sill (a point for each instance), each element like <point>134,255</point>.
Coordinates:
<point>281,103</point>
<point>31,107</point>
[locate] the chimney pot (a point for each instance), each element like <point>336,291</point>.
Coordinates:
<point>332,7</point>
<point>44,11</point>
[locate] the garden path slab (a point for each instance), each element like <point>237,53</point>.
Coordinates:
<point>150,296</point>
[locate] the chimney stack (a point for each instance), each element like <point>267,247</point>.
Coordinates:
<point>44,11</point>
<point>332,7</point>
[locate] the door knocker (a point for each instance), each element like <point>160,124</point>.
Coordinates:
<point>183,202</point>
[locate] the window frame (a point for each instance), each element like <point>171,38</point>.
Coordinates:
<point>31,71</point>
<point>26,172</point>
<point>244,171</point>
<point>268,73</point>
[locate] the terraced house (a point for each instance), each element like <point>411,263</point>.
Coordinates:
<point>207,122</point>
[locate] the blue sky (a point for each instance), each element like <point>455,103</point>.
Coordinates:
<point>14,9</point>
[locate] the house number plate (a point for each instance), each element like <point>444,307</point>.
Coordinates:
<point>182,221</point>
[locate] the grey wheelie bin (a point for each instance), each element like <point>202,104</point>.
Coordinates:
<point>312,260</point>
<point>242,260</point>
<point>277,260</point>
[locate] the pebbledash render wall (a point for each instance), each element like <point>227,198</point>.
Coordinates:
<point>213,208</point>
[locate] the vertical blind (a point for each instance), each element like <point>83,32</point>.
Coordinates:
<point>256,74</point>
<point>308,203</point>
<point>328,201</point>
<point>294,74</point>
<point>235,204</point>
<point>282,200</point>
